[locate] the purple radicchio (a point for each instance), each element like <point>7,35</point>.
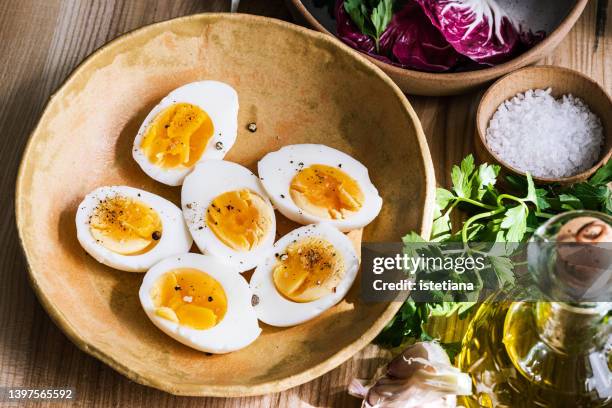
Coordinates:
<point>409,41</point>
<point>478,29</point>
<point>413,42</point>
<point>433,35</point>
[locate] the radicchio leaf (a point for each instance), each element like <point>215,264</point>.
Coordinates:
<point>413,42</point>
<point>410,40</point>
<point>441,35</point>
<point>478,29</point>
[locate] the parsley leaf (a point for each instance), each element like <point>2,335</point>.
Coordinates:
<point>461,177</point>
<point>515,223</point>
<point>441,228</point>
<point>603,175</point>
<point>371,17</point>
<point>381,17</point>
<point>412,237</point>
<point>593,197</point>
<point>443,198</point>
<point>504,269</point>
<point>486,177</point>
<point>532,194</point>
<point>542,200</point>
<point>355,9</point>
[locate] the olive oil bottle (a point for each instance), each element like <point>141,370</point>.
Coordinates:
<point>555,352</point>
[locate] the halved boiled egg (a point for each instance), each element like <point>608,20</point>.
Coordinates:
<point>312,268</point>
<point>311,183</point>
<point>195,122</point>
<point>228,213</point>
<point>130,229</point>
<point>200,302</point>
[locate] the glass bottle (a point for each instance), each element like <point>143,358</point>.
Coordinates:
<point>554,352</point>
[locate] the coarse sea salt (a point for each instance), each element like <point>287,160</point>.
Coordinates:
<point>547,137</point>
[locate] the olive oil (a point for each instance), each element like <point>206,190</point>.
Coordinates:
<point>541,353</point>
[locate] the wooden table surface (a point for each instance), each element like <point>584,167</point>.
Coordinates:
<point>41,42</point>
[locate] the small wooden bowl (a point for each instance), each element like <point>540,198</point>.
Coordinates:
<point>298,86</point>
<point>562,81</point>
<point>440,84</point>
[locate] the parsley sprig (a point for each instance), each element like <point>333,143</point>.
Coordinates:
<point>493,216</point>
<point>496,216</point>
<point>371,16</point>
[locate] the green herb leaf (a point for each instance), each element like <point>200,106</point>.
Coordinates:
<point>569,202</point>
<point>358,12</point>
<point>381,17</point>
<point>447,309</point>
<point>443,198</point>
<point>532,195</point>
<point>467,164</point>
<point>412,237</point>
<point>460,176</point>
<point>504,269</point>
<point>603,175</point>
<point>515,223</point>
<point>486,177</point>
<point>542,199</point>
<point>592,197</point>
<point>441,227</point>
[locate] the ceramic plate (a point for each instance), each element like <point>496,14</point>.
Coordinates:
<point>298,86</point>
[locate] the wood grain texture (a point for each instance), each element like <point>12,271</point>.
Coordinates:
<point>40,44</point>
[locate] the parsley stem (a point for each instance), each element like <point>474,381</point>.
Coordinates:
<point>477,217</point>
<point>476,203</point>
<point>510,197</point>
<point>544,215</point>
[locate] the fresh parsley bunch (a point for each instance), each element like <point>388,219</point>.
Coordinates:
<point>493,216</point>
<point>496,216</point>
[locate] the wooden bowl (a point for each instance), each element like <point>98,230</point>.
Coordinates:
<point>438,84</point>
<point>562,81</point>
<point>298,86</point>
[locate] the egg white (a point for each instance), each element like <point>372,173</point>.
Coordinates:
<point>219,101</point>
<point>207,181</point>
<point>277,169</point>
<point>175,238</point>
<point>239,326</point>
<point>276,310</point>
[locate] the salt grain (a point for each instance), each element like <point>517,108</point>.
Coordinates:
<point>547,137</point>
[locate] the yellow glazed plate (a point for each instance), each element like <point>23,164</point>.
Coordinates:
<point>298,86</point>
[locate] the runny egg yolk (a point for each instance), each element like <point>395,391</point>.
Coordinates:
<point>177,136</point>
<point>241,219</point>
<point>190,297</point>
<point>125,225</point>
<point>309,269</point>
<point>326,192</point>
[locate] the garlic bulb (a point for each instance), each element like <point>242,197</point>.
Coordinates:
<point>420,377</point>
